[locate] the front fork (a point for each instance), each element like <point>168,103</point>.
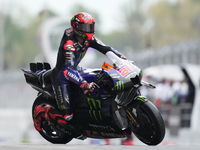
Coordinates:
<point>132,115</point>
<point>124,117</point>
<point>132,119</point>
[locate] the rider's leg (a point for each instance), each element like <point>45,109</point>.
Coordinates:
<point>62,91</point>
<point>47,113</point>
<point>40,112</point>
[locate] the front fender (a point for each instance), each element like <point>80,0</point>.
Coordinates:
<point>138,100</point>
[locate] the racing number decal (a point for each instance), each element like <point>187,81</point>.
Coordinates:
<point>125,70</point>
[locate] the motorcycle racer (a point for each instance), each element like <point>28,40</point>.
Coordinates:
<point>73,46</point>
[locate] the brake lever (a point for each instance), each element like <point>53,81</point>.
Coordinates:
<point>148,85</point>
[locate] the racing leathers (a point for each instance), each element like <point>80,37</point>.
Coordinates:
<point>66,70</point>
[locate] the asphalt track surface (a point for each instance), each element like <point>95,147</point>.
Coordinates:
<point>20,146</point>
<point>187,140</point>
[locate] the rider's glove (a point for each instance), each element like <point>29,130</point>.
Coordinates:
<point>89,86</point>
<point>123,57</point>
<point>131,62</point>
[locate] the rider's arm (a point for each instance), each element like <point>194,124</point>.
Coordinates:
<point>74,76</point>
<point>100,46</point>
<point>71,72</point>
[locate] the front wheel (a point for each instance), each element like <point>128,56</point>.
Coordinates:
<point>48,131</point>
<point>146,123</point>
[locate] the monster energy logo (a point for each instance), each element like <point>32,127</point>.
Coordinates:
<point>141,98</point>
<point>82,55</point>
<point>95,109</point>
<point>120,85</point>
<point>141,73</point>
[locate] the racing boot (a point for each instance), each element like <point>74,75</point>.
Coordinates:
<point>40,112</point>
<point>53,114</point>
<point>63,117</point>
<point>50,114</point>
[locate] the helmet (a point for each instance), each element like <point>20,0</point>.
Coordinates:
<point>83,25</point>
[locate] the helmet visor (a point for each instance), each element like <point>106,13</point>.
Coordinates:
<point>86,27</point>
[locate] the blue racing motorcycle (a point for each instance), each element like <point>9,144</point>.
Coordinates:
<point>114,110</point>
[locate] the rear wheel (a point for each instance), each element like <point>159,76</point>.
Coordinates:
<point>48,131</point>
<point>149,126</point>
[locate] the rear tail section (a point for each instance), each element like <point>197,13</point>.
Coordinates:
<point>39,77</point>
<point>34,67</point>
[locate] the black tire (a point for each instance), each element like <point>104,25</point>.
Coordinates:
<point>151,129</point>
<point>47,132</point>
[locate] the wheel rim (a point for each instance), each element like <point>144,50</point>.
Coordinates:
<point>48,130</point>
<point>148,131</point>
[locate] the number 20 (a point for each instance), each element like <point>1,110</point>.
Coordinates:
<point>125,70</point>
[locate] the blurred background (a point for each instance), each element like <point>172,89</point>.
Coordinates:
<point>161,36</point>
